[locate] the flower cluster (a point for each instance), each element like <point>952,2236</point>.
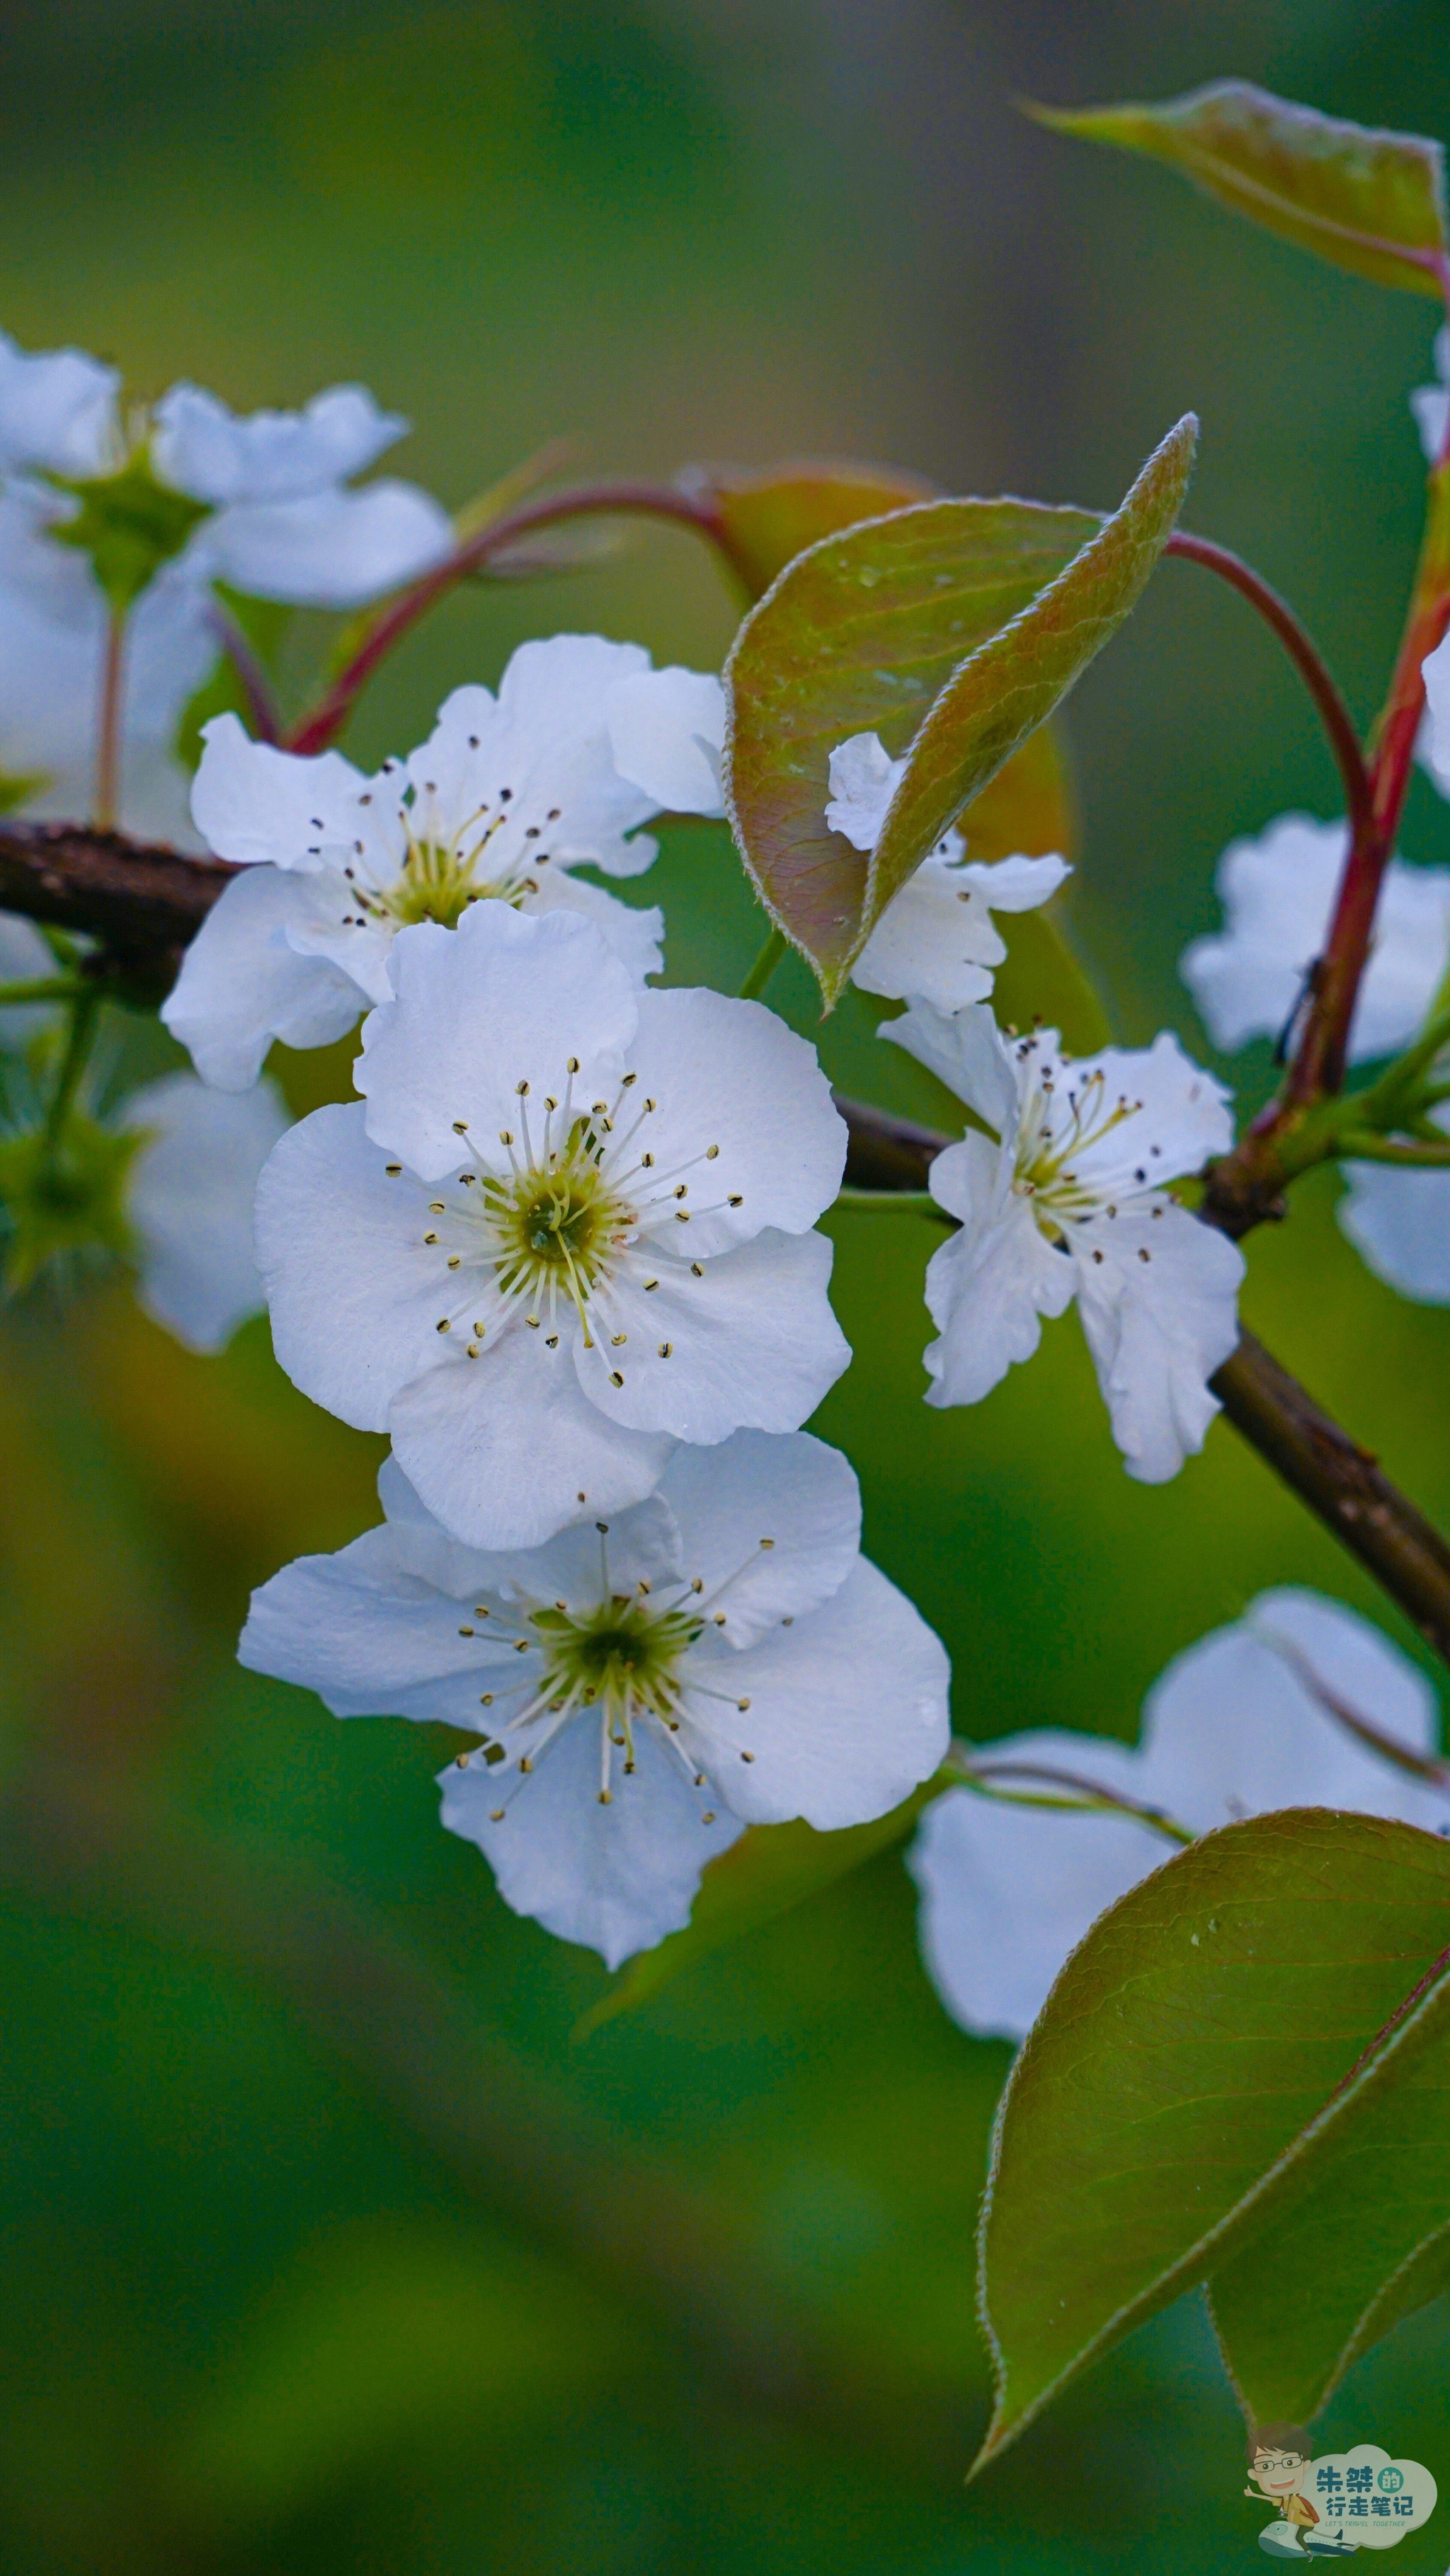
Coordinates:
<point>110,512</point>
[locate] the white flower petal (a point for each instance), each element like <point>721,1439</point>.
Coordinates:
<point>789,1489</point>
<point>57,410</point>
<point>486,1016</point>
<point>222,456</point>
<point>528,779</point>
<point>1160,1312</point>
<point>1017,884</point>
<point>1007,1893</point>
<point>243,982</point>
<point>862,778</point>
<point>616,1877</point>
<point>667,734</point>
<point>987,1286</point>
<point>634,932</point>
<point>353,1290</point>
<point>1399,1224</point>
<point>372,1638</point>
<point>189,1202</point>
<point>752,1343</point>
<point>1233,1729</point>
<point>967,1051</point>
<point>1431,403</point>
<point>935,941</point>
<point>846,1710</point>
<point>643,1542</point>
<point>1278,894</point>
<point>1177,1114</point>
<point>329,549</point>
<point>731,1075</point>
<point>506,1449</point>
<point>257,806</point>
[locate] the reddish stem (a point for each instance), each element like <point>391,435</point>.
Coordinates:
<point>639,500</point>
<point>1303,652</point>
<point>1319,1063</point>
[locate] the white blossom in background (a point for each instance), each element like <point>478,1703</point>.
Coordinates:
<point>936,940</point>
<point>1431,403</point>
<point>281,523</point>
<point>188,1203</point>
<point>506,797</point>
<point>1278,896</point>
<point>1067,1199</point>
<point>720,1654</point>
<point>1242,1724</point>
<point>569,1224</point>
<point>1433,746</point>
<point>1399,1223</point>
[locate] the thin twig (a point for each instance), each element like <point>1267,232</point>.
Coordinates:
<point>1303,652</point>
<point>617,500</point>
<point>1340,1482</point>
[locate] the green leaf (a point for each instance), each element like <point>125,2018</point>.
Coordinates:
<point>771,1869</point>
<point>1017,676</point>
<point>765,520</point>
<point>1368,2245</point>
<point>1220,2037</point>
<point>1369,201</point>
<point>129,525</point>
<point>859,634</point>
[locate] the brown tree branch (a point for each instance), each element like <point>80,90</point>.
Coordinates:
<point>1341,1483</point>
<point>140,902</point>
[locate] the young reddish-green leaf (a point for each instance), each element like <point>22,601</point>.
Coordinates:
<point>765,520</point>
<point>1370,201</point>
<point>1002,692</point>
<point>771,1869</point>
<point>857,635</point>
<point>1225,2032</point>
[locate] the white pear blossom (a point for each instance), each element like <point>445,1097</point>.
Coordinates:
<point>571,1226</point>
<point>1255,1717</point>
<point>1432,749</point>
<point>1068,1199</point>
<point>1431,403</point>
<point>1278,893</point>
<point>276,519</point>
<point>506,797</point>
<point>1399,1223</point>
<point>188,1203</point>
<point>936,940</point>
<point>720,1654</point>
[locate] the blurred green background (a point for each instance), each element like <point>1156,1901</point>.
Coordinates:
<point>320,2230</point>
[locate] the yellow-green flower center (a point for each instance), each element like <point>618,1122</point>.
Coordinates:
<point>622,1654</point>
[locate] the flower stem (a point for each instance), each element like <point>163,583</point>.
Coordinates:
<point>108,736</point>
<point>893,1203</point>
<point>1086,1797</point>
<point>764,967</point>
<point>1303,652</point>
<point>44,988</point>
<point>1319,1061</point>
<point>83,1009</point>
<point>262,709</point>
<point>632,500</point>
